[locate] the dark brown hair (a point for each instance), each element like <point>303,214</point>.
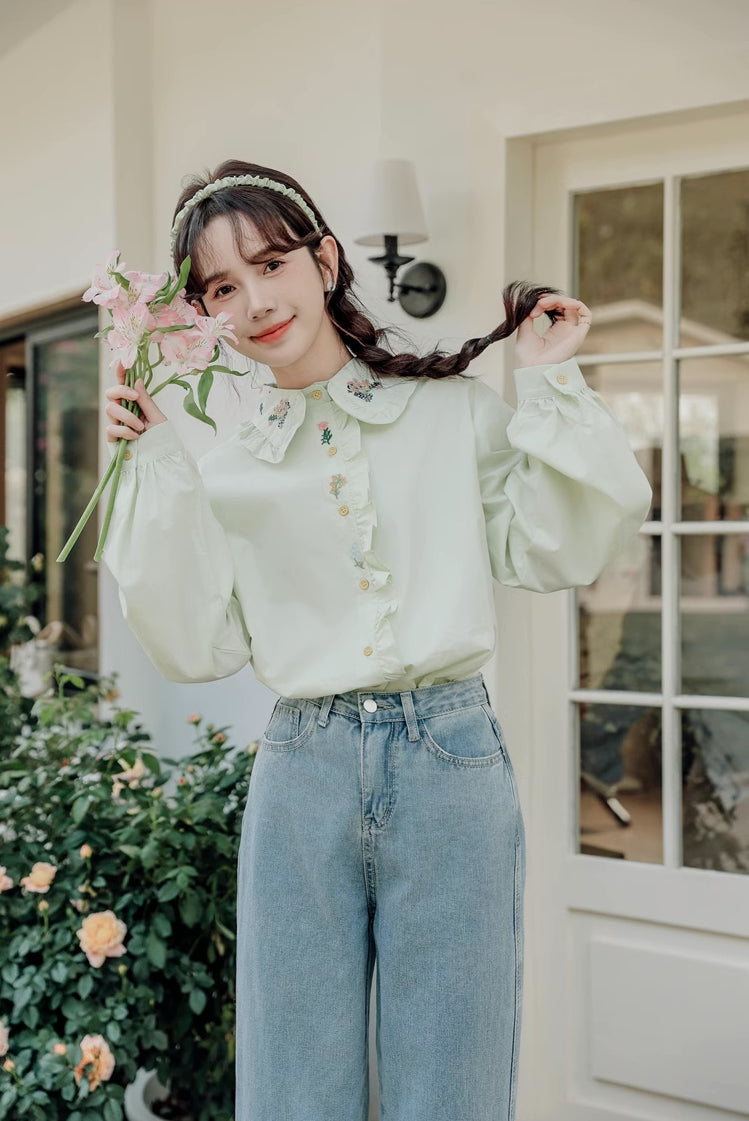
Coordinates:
<point>284,227</point>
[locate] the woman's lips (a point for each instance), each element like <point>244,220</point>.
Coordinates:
<point>271,336</point>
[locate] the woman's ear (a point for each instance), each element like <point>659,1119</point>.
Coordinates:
<point>327,256</point>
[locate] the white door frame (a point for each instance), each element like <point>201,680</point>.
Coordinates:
<point>579,906</point>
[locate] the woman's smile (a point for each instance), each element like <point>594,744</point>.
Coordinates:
<point>274,333</point>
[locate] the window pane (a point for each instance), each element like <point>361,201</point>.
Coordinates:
<point>715,746</point>
<point>618,240</point>
<point>634,393</point>
<point>621,813</point>
<point>66,422</point>
<point>715,614</point>
<point>619,617</point>
<point>714,259</point>
<point>714,438</point>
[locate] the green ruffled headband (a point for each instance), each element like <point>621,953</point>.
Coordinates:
<point>240,181</point>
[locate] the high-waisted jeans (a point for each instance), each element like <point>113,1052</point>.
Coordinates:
<point>381,825</point>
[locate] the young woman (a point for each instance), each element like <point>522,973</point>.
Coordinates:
<point>343,541</point>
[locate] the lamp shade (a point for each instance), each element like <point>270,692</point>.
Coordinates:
<point>392,205</point>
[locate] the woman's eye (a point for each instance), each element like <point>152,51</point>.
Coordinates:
<point>223,290</point>
<point>273,262</point>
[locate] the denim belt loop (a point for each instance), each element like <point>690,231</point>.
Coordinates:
<point>407,701</point>
<point>322,719</point>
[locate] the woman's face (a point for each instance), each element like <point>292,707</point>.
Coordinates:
<point>276,304</point>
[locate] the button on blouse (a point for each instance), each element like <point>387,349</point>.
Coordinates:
<point>262,551</point>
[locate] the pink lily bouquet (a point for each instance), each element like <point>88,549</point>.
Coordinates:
<point>152,323</point>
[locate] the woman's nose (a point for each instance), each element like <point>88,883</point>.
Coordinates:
<point>259,302</point>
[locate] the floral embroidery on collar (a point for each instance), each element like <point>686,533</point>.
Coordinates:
<point>280,412</point>
<point>363,388</point>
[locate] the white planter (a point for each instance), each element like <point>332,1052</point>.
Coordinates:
<point>141,1093</point>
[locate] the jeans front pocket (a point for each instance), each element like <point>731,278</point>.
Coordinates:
<point>466,737</point>
<point>290,724</point>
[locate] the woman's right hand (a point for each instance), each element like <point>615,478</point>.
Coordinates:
<point>127,424</point>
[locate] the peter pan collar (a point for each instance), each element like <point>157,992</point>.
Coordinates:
<point>376,399</point>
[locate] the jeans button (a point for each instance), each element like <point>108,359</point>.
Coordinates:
<point>370,705</point>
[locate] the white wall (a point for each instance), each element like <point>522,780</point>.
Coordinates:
<point>55,147</point>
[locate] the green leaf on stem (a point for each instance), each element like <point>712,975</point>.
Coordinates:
<point>191,407</point>
<point>204,388</point>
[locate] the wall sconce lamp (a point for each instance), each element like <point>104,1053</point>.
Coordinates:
<point>395,212</point>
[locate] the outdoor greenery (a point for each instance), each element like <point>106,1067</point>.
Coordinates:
<point>117,910</point>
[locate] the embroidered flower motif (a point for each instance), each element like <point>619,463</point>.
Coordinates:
<point>356,555</point>
<point>327,435</point>
<point>336,482</point>
<point>280,412</point>
<point>363,388</point>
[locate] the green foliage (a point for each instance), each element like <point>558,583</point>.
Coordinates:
<point>164,839</point>
<point>19,591</point>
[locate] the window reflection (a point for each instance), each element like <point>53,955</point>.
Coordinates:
<point>65,456</point>
<point>714,258</point>
<point>619,622</point>
<point>618,239</point>
<point>715,614</point>
<point>714,438</point>
<point>715,749</point>
<point>621,812</point>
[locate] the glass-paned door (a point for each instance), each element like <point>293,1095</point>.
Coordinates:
<point>662,637</point>
<point>63,461</point>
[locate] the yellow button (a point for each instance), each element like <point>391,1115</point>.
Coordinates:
<point>332,451</point>
<point>562,379</point>
<point>128,454</point>
<point>343,509</point>
<point>364,584</point>
<point>317,394</point>
<point>367,651</point>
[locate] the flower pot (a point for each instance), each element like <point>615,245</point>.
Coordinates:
<point>141,1093</point>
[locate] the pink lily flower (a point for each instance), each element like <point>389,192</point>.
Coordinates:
<point>130,325</point>
<point>105,290</point>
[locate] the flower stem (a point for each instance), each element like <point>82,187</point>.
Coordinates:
<point>87,512</point>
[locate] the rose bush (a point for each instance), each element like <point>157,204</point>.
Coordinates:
<point>117,911</point>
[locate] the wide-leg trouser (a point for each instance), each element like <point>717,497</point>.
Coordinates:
<point>381,825</point>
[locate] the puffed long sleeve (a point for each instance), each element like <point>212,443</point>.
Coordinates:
<point>561,489</point>
<point>172,561</point>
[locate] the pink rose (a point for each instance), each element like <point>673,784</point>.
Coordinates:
<point>5,881</point>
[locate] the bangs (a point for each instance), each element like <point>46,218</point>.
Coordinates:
<point>279,224</point>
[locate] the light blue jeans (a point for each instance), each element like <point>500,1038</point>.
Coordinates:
<point>381,825</point>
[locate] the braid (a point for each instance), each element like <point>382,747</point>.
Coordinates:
<point>364,339</point>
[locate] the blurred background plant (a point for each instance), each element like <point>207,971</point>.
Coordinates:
<point>117,910</point>
<point>20,590</point>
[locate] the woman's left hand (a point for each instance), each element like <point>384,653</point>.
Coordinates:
<point>563,338</point>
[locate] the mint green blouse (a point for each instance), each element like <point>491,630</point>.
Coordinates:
<point>346,535</point>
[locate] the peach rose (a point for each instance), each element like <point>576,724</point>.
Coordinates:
<point>194,718</point>
<point>9,1065</point>
<point>3,1039</point>
<point>95,1053</point>
<point>101,936</point>
<point>60,1049</point>
<point>86,852</point>
<point>43,905</point>
<point>5,881</point>
<point>40,877</point>
<point>132,775</point>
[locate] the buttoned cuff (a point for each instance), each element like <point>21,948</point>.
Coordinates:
<point>159,440</point>
<point>546,380</point>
